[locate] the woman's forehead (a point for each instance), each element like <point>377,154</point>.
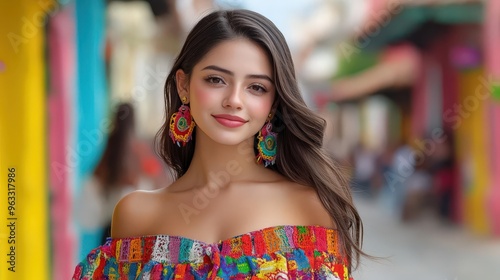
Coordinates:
<point>240,56</point>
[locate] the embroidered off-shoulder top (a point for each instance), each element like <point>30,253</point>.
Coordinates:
<point>281,252</point>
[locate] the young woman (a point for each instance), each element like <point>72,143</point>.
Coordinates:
<point>256,197</point>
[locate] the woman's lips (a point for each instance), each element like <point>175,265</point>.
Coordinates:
<point>229,120</point>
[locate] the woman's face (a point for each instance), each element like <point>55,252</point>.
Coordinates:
<point>231,91</point>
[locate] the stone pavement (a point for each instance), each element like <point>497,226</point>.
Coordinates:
<point>425,249</point>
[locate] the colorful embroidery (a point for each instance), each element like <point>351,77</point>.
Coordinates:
<point>283,252</point>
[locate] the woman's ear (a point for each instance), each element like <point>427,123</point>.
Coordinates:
<point>182,83</point>
<point>274,108</point>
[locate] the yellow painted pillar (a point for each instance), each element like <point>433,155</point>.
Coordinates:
<point>471,117</point>
<point>24,197</point>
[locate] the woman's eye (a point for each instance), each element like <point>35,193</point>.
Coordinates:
<point>215,80</point>
<point>258,88</point>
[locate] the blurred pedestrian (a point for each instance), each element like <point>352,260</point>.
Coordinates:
<point>443,168</point>
<point>116,174</point>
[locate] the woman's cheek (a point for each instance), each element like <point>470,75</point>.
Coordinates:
<point>201,94</point>
<point>262,106</point>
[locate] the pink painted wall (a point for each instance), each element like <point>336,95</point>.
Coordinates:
<point>492,58</point>
<point>62,63</point>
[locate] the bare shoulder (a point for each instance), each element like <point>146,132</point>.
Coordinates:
<point>133,214</point>
<point>305,204</point>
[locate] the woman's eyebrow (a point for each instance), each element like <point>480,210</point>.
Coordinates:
<point>253,76</point>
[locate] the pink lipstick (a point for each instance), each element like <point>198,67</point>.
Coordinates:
<point>229,120</point>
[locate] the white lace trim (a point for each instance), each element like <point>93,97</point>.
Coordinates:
<point>160,251</point>
<point>196,253</point>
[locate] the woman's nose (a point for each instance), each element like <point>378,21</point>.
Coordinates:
<point>233,98</point>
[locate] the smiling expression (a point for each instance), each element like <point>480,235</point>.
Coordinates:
<point>231,91</point>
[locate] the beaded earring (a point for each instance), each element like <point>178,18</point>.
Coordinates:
<point>181,124</point>
<point>266,146</point>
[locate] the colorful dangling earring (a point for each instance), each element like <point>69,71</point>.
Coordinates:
<point>181,125</point>
<point>266,145</point>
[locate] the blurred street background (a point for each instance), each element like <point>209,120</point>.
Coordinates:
<point>410,90</point>
<point>426,249</point>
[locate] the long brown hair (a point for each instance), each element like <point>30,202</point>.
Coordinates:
<point>301,157</point>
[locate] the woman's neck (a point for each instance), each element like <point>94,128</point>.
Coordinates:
<point>218,164</point>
